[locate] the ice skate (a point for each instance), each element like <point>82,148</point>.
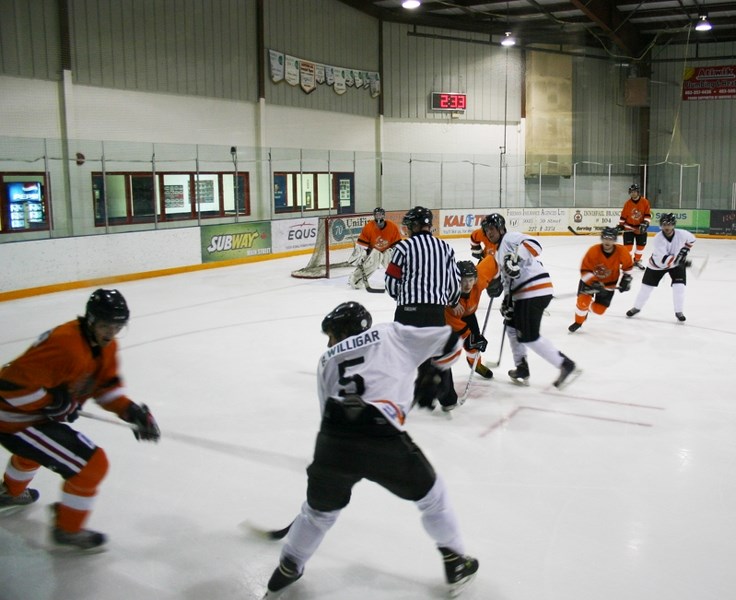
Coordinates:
<point>574,327</point>
<point>520,375</point>
<point>567,370</point>
<point>284,575</point>
<point>633,311</point>
<point>483,371</point>
<point>680,317</point>
<point>84,539</point>
<point>638,265</point>
<point>459,570</point>
<point>9,504</point>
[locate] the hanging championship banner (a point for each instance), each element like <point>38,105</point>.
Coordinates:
<point>306,76</point>
<point>292,70</point>
<point>329,75</point>
<point>339,84</point>
<point>277,65</point>
<point>375,85</point>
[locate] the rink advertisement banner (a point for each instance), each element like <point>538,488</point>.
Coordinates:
<point>723,222</point>
<point>536,220</point>
<point>696,221</point>
<point>293,234</point>
<point>709,83</point>
<point>236,240</point>
<point>589,220</point>
<point>528,220</point>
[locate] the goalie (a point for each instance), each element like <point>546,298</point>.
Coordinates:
<point>373,248</point>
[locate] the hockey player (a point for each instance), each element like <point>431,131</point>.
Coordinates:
<point>42,390</point>
<point>599,276</point>
<point>373,248</point>
<point>528,292</point>
<point>634,222</point>
<point>480,245</point>
<point>462,317</point>
<point>365,382</point>
<point>669,256</point>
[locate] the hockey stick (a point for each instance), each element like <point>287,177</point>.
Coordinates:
<point>268,534</point>
<point>110,420</point>
<point>368,287</point>
<point>698,271</point>
<point>476,360</point>
<point>500,351</point>
<point>568,295</point>
<point>575,232</point>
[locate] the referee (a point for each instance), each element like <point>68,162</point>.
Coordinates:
<point>423,278</point>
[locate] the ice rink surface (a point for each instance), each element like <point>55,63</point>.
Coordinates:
<point>621,486</point>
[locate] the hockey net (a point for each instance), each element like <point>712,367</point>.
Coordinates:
<point>336,237</point>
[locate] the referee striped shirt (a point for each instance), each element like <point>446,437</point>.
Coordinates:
<point>423,271</point>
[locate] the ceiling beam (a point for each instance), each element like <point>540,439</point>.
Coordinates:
<point>605,14</point>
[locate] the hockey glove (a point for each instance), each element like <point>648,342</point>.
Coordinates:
<point>682,257</point>
<point>477,342</point>
<point>625,284</point>
<point>495,288</point>
<point>511,266</point>
<point>507,308</point>
<point>643,227</point>
<point>62,406</point>
<point>477,254</point>
<point>146,426</point>
<point>592,287</point>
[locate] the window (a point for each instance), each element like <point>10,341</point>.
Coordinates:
<point>23,202</point>
<point>122,198</point>
<point>297,192</point>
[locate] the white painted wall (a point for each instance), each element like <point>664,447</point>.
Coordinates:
<point>47,262</point>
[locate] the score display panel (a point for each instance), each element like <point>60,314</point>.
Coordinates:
<point>450,101</point>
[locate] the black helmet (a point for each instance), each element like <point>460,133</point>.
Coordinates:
<point>108,306</point>
<point>348,318</point>
<point>467,269</point>
<point>494,220</point>
<point>668,219</point>
<point>417,216</point>
<point>634,187</point>
<point>609,233</point>
<point>379,213</point>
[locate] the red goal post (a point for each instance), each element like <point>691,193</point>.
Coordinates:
<point>336,237</point>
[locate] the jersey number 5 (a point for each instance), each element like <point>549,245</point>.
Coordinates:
<point>352,384</point>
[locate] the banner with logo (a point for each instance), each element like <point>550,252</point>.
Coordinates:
<point>709,83</point>
<point>293,234</point>
<point>235,240</point>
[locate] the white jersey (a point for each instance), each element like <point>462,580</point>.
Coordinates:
<point>664,251</point>
<point>380,365</point>
<point>534,280</point>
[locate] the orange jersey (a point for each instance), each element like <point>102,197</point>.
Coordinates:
<point>606,268</point>
<point>60,358</point>
<point>479,243</point>
<point>487,271</point>
<point>372,236</point>
<point>634,214</point>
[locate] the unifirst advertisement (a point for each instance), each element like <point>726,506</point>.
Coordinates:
<point>235,240</point>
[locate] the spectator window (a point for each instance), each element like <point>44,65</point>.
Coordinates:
<point>123,198</point>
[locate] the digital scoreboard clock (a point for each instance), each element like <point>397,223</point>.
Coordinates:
<point>450,101</point>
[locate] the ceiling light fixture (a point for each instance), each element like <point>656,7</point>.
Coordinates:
<point>703,23</point>
<point>508,40</point>
<point>411,4</point>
